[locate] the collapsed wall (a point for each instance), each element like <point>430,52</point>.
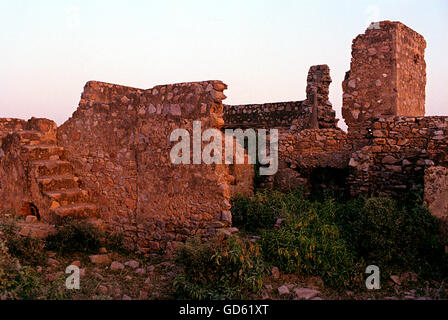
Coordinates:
<point>119,140</point>
<point>298,123</point>
<point>284,115</point>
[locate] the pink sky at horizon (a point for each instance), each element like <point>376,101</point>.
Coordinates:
<point>261,49</point>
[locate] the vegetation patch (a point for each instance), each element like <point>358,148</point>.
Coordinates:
<point>223,268</point>
<point>75,236</point>
<point>336,240</point>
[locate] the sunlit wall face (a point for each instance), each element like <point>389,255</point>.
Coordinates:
<point>262,48</point>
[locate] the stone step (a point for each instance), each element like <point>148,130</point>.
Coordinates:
<point>76,211</point>
<point>38,230</point>
<point>31,135</point>
<point>68,197</point>
<point>35,137</point>
<point>52,167</point>
<point>57,182</point>
<point>43,152</point>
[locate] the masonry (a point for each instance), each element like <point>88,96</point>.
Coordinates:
<point>110,162</point>
<point>116,146</point>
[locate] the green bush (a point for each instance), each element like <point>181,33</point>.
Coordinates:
<point>75,236</point>
<point>219,269</point>
<point>310,243</point>
<point>335,239</point>
<point>395,236</point>
<point>264,209</point>
<point>16,282</point>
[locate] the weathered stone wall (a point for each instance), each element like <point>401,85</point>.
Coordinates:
<point>269,115</point>
<point>8,125</point>
<point>99,139</point>
<point>315,148</point>
<point>301,152</point>
<point>400,150</point>
<point>18,170</point>
<point>411,72</point>
<point>317,98</point>
<point>436,195</point>
<point>298,114</point>
<point>387,74</point>
<point>119,140</point>
<point>15,184</point>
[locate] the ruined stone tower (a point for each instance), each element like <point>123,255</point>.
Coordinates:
<point>387,74</point>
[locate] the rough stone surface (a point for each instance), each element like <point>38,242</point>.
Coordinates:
<point>132,264</point>
<point>283,290</point>
<point>436,195</point>
<point>116,266</point>
<point>122,155</point>
<point>100,259</point>
<point>387,74</point>
<point>287,114</point>
<point>305,293</point>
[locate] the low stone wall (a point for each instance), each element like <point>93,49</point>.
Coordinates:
<point>119,141</point>
<point>297,114</point>
<point>267,115</point>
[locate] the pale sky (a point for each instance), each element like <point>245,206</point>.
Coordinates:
<point>262,48</point>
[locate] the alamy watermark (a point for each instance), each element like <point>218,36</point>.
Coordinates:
<point>373,281</point>
<point>230,151</point>
<point>73,281</point>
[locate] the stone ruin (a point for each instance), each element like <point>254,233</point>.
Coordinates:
<point>109,163</point>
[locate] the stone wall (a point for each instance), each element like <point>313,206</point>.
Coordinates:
<point>315,148</point>
<point>317,98</point>
<point>436,195</point>
<point>296,114</point>
<point>8,125</point>
<point>411,72</point>
<point>387,74</point>
<point>22,151</point>
<point>268,115</point>
<point>302,152</point>
<point>400,150</point>
<point>119,140</point>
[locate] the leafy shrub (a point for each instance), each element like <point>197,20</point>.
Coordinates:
<point>395,236</point>
<point>264,209</point>
<point>23,283</point>
<point>310,243</point>
<point>219,269</point>
<point>334,239</point>
<point>15,281</point>
<point>28,250</point>
<point>75,236</point>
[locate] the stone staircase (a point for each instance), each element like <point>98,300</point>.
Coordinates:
<point>55,177</point>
